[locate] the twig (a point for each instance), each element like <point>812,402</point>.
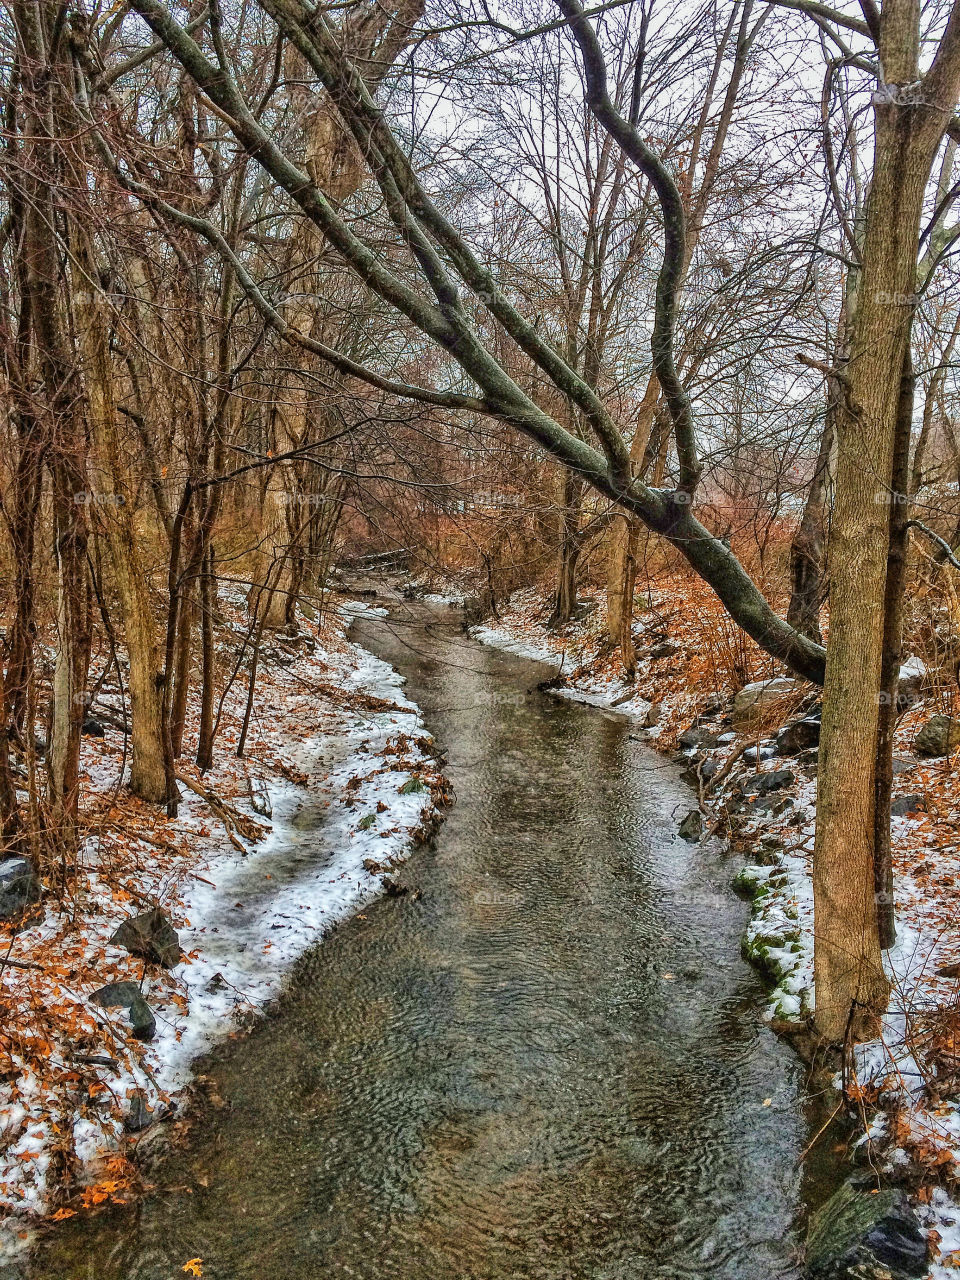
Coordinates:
<point>942,543</point>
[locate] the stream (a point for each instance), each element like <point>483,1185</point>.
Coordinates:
<point>551,1064</point>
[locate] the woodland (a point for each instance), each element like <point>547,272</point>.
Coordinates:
<point>583,310</point>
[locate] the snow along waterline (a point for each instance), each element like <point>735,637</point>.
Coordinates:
<point>243,919</point>
<point>551,1063</point>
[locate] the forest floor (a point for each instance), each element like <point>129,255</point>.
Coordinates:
<point>337,781</point>
<point>755,786</point>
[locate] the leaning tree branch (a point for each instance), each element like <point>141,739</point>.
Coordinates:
<point>667,512</point>
<point>670,279</point>
<point>945,548</point>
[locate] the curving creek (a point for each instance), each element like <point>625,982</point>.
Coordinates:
<point>550,1065</point>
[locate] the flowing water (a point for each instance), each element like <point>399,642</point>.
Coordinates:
<point>549,1065</point>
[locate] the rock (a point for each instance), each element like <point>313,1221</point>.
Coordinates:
<point>774,805</point>
<point>865,1235</point>
<point>938,737</point>
<point>696,737</point>
<point>19,887</point>
<point>150,935</point>
<point>393,888</point>
<point>654,713</point>
<point>699,769</point>
<point>126,995</point>
<point>753,755</point>
<point>691,828</point>
<point>92,728</point>
<point>754,699</point>
<point>903,805</point>
<point>139,1115</point>
<point>308,611</point>
<point>798,736</point>
<point>774,780</point>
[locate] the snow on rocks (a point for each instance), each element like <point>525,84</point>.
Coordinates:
<point>346,765</point>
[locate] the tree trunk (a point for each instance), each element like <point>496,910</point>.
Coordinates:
<point>807,547</point>
<point>851,987</point>
<point>114,513</point>
<point>619,570</point>
<point>890,668</point>
<point>565,601</point>
<point>208,597</point>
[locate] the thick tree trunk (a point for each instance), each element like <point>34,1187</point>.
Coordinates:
<point>568,552</point>
<point>74,633</point>
<point>851,987</point>
<point>114,513</point>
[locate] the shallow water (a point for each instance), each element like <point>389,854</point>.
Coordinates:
<point>551,1065</point>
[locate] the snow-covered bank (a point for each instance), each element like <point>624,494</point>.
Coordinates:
<point>339,778</point>
<point>689,675</point>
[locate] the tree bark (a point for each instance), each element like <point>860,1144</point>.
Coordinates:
<point>851,987</point>
<point>890,666</point>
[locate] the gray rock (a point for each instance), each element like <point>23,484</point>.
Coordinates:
<point>696,737</point>
<point>92,728</point>
<point>699,769</point>
<point>126,995</point>
<point>754,699</point>
<point>708,769</point>
<point>139,1115</point>
<point>867,1236</point>
<point>774,780</point>
<point>938,737</point>
<point>798,736</point>
<point>19,887</point>
<point>903,805</point>
<point>753,755</point>
<point>773,804</point>
<point>150,935</point>
<point>691,828</point>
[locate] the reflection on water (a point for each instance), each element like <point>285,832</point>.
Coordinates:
<point>549,1066</point>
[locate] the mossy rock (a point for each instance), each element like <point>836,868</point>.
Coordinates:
<point>751,882</point>
<point>863,1234</point>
